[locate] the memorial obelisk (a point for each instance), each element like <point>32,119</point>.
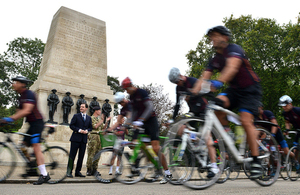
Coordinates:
<point>74,60</point>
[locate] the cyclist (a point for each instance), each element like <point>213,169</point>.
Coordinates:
<point>267,115</point>
<point>120,131</point>
<point>196,105</point>
<point>244,91</point>
<point>291,116</point>
<point>143,115</point>
<point>28,108</point>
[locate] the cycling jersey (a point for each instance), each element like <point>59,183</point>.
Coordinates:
<point>293,116</point>
<point>245,76</point>
<point>125,109</point>
<point>138,101</point>
<point>267,115</point>
<point>196,103</point>
<point>28,97</point>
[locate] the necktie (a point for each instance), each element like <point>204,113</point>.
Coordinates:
<point>84,117</point>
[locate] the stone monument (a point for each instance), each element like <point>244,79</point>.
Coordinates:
<point>74,60</point>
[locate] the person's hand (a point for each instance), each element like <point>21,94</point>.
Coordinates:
<point>8,119</point>
<point>216,84</point>
<point>108,119</point>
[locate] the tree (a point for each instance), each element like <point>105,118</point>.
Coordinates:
<point>114,84</point>
<point>273,51</point>
<point>163,106</point>
<point>23,57</point>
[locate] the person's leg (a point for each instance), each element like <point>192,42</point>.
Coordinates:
<point>73,152</point>
<point>80,157</point>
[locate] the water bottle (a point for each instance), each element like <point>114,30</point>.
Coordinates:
<point>151,151</point>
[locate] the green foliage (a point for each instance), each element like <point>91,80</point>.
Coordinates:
<point>23,57</point>
<point>114,84</point>
<point>273,51</point>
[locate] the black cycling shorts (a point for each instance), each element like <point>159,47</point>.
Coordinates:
<point>36,128</point>
<point>151,129</point>
<point>245,99</point>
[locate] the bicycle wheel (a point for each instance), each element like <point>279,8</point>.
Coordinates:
<point>292,165</point>
<point>181,169</point>
<point>234,169</point>
<point>132,172</point>
<point>284,168</point>
<point>199,179</point>
<point>104,158</point>
<point>7,161</point>
<point>56,159</point>
<point>269,156</point>
<point>225,173</point>
<point>246,165</point>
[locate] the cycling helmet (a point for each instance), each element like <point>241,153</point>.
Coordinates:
<point>220,29</point>
<point>284,100</point>
<point>126,83</point>
<point>119,96</point>
<point>21,79</point>
<point>174,75</point>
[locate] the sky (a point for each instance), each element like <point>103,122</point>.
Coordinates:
<point>145,39</point>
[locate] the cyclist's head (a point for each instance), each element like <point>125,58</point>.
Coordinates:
<point>174,75</point>
<point>219,29</point>
<point>20,83</point>
<point>119,97</point>
<point>21,79</point>
<point>285,100</point>
<point>126,83</point>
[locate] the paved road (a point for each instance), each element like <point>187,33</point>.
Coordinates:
<point>240,186</point>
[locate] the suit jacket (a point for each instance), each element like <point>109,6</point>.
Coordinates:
<point>77,123</point>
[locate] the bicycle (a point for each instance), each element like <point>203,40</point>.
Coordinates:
<point>136,164</point>
<point>293,168</point>
<point>54,157</point>
<point>212,128</point>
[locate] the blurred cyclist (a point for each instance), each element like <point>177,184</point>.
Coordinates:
<point>143,115</point>
<point>197,106</point>
<point>28,108</point>
<point>244,91</point>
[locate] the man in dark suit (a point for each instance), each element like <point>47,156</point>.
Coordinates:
<point>81,124</point>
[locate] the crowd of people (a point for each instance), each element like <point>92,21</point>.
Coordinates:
<point>243,93</point>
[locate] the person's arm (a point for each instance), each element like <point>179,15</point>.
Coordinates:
<point>287,125</point>
<point>231,68</point>
<point>274,128</point>
<point>148,110</point>
<point>205,76</point>
<point>26,110</point>
<point>72,124</point>
<point>116,124</point>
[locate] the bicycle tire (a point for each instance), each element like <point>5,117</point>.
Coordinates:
<point>56,159</point>
<point>225,174</point>
<point>292,171</point>
<point>284,169</point>
<point>132,173</point>
<point>104,158</point>
<point>198,180</point>
<point>270,164</point>
<point>7,161</point>
<point>179,168</point>
<point>234,170</point>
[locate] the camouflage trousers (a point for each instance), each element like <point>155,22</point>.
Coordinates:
<point>94,145</point>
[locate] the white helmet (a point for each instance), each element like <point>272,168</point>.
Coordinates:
<point>119,96</point>
<point>174,75</point>
<point>284,100</point>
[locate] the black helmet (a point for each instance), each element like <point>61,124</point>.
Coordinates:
<point>220,29</point>
<point>21,79</point>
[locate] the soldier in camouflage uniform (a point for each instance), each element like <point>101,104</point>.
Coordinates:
<point>94,144</point>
